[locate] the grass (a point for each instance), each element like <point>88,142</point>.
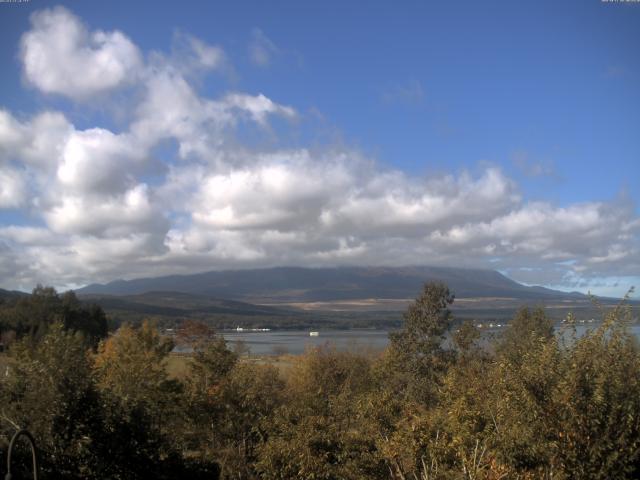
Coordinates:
<point>177,364</point>
<point>284,363</point>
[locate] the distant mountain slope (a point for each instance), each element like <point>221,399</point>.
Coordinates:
<point>11,294</point>
<point>179,304</point>
<point>294,284</point>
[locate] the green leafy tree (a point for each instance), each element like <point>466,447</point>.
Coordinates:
<point>48,389</point>
<point>528,329</point>
<point>465,338</point>
<point>203,433</point>
<point>417,359</point>
<point>32,315</point>
<point>246,399</point>
<point>211,363</point>
<point>89,319</point>
<point>597,426</point>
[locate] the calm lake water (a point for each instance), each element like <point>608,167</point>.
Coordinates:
<point>296,341</point>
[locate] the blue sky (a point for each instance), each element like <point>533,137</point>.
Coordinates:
<point>527,112</point>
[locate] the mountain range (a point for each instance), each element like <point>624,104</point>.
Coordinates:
<point>296,284</point>
<point>296,297</point>
<point>10,294</point>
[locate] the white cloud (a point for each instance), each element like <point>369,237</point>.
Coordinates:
<point>393,202</point>
<point>271,195</point>
<point>257,106</point>
<point>26,235</point>
<point>13,188</point>
<point>61,56</point>
<point>172,109</point>
<point>38,143</point>
<point>207,56</point>
<point>189,56</point>
<point>100,206</point>
<point>96,160</point>
<point>101,216</point>
<point>11,132</point>
<point>280,206</point>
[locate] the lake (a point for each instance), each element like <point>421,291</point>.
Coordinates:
<point>295,342</point>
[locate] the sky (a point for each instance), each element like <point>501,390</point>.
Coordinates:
<point>152,138</point>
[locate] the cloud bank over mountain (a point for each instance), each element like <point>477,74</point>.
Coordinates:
<point>187,182</point>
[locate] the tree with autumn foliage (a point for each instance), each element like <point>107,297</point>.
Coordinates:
<point>141,403</point>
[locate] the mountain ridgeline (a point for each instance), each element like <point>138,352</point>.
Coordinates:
<point>294,284</point>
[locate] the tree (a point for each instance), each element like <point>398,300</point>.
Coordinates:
<point>48,390</point>
<point>210,364</point>
<point>131,364</point>
<point>417,350</point>
<point>567,410</point>
<point>465,337</point>
<point>194,335</point>
<point>322,431</point>
<point>141,403</point>
<point>597,426</point>
<point>32,315</point>
<point>208,369</point>
<point>88,319</point>
<point>528,329</point>
<point>246,399</point>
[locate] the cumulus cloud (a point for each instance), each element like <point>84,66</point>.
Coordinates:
<point>258,107</point>
<point>98,204</point>
<point>189,55</point>
<point>97,160</point>
<point>112,216</point>
<point>38,142</point>
<point>172,109</point>
<point>336,207</point>
<point>13,188</point>
<point>205,55</point>
<point>60,55</point>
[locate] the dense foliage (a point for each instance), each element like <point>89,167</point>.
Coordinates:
<point>32,315</point>
<point>437,404</point>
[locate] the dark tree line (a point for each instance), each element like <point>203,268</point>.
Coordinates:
<point>436,404</point>
<point>32,315</point>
